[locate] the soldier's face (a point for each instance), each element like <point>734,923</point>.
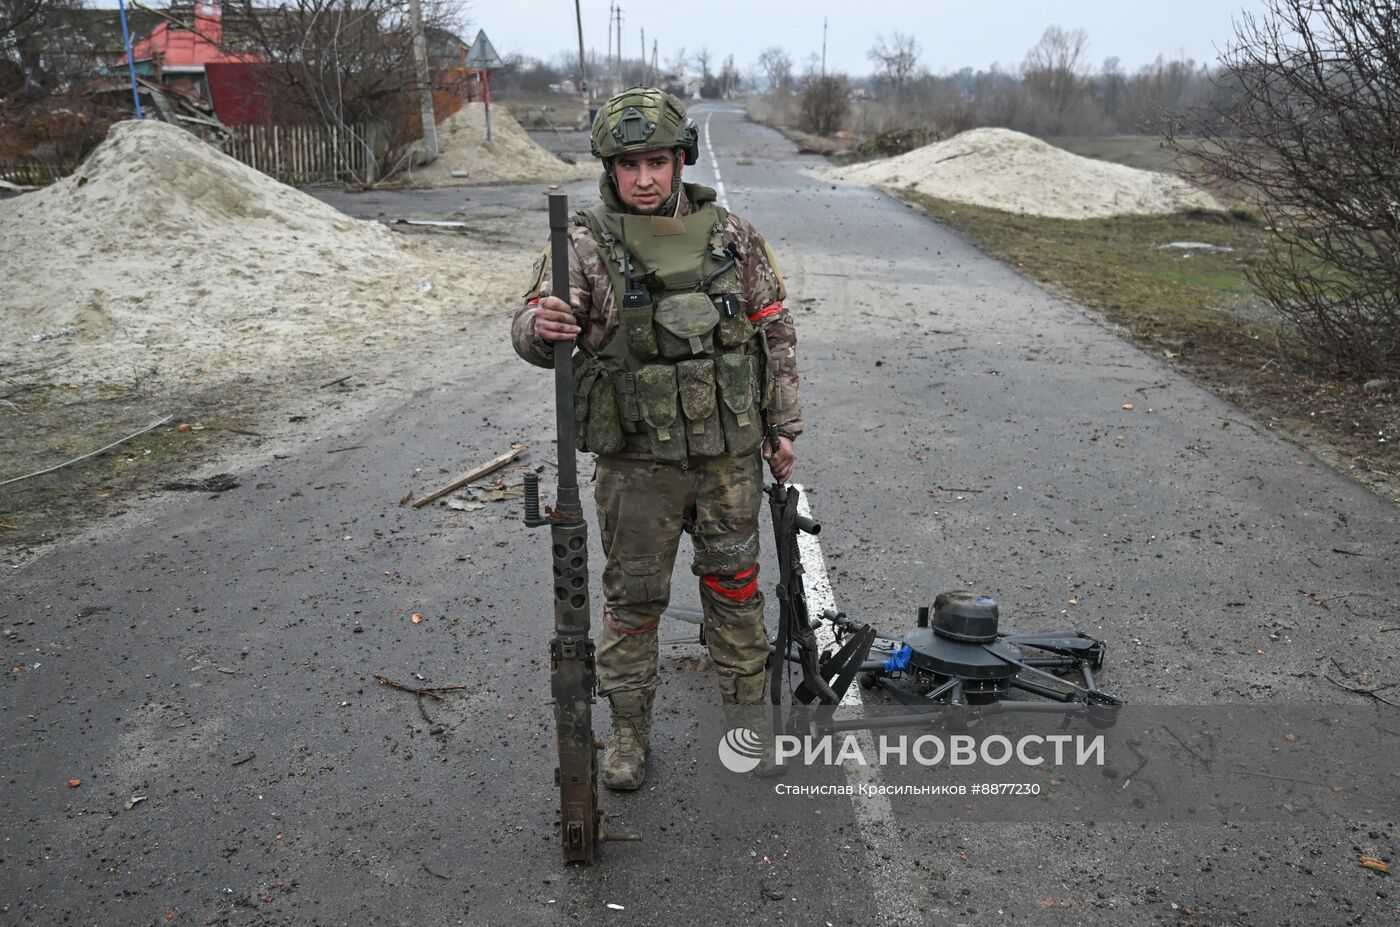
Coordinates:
<point>644,179</point>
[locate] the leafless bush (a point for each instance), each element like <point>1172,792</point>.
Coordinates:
<point>1313,140</point>
<point>824,103</point>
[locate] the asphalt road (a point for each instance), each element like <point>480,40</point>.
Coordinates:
<point>215,657</point>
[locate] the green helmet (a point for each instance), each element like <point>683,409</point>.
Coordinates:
<point>644,119</point>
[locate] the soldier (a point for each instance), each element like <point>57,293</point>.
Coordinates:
<point>684,350</point>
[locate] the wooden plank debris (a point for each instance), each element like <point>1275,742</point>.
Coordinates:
<point>471,476</point>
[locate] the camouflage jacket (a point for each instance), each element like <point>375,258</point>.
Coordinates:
<point>763,294</point>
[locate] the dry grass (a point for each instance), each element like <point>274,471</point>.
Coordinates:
<point>1196,309</point>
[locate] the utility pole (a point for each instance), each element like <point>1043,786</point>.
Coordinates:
<point>425,83</point>
<point>582,75</point>
<point>644,56</point>
<point>655,71</point>
<point>823,46</point>
<point>619,46</point>
<point>612,14</point>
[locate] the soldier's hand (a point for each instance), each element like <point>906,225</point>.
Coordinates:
<point>780,463</point>
<point>554,321</point>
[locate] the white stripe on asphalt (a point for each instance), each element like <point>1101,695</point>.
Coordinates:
<point>892,889</point>
<point>714,164</point>
<point>874,816</point>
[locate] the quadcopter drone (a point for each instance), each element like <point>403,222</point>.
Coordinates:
<point>955,656</point>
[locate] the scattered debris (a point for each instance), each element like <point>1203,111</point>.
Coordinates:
<point>429,223</point>
<point>336,381</point>
<point>490,466</point>
<point>49,336</point>
<point>219,482</point>
<point>1376,865</point>
<point>133,801</point>
<point>419,692</point>
<point>74,783</point>
<point>242,760</point>
<point>1194,246</point>
<point>417,618</point>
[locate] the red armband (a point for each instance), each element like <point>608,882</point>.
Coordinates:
<point>771,309</point>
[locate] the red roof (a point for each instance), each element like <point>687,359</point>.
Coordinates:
<point>183,49</point>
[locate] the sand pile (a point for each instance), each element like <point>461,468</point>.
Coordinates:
<point>163,255</point>
<point>1010,171</point>
<point>510,157</point>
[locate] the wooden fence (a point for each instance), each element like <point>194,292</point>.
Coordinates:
<point>292,154</point>
<point>307,154</point>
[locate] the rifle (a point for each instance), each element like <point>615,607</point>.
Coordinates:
<point>825,678</point>
<point>572,669</point>
<point>794,623</point>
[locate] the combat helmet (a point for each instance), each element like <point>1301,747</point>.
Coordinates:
<point>644,119</point>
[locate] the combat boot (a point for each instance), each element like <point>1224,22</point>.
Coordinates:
<point>753,690</point>
<point>625,762</point>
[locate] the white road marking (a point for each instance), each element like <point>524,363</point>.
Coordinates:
<point>874,816</point>
<point>714,164</point>
<point>892,888</point>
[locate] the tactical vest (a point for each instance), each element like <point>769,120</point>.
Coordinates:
<point>685,376</point>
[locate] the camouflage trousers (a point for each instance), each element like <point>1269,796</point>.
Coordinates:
<point>643,508</point>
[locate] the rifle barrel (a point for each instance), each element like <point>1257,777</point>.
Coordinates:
<point>568,501</point>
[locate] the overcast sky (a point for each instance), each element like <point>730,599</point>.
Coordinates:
<point>952,33</point>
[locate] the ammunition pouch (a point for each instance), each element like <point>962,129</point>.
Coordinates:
<point>635,322</point>
<point>738,412</point>
<point>685,325</point>
<point>596,412</point>
<point>734,326</point>
<point>703,434</point>
<point>658,398</point>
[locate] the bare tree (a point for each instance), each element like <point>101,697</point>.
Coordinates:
<point>824,103</point>
<point>1053,68</point>
<point>340,62</point>
<point>42,48</point>
<point>679,61</point>
<point>777,67</point>
<point>1313,142</point>
<point>702,59</point>
<point>48,49</point>
<point>729,78</point>
<point>897,58</point>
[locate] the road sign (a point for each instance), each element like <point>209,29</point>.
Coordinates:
<point>482,55</point>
